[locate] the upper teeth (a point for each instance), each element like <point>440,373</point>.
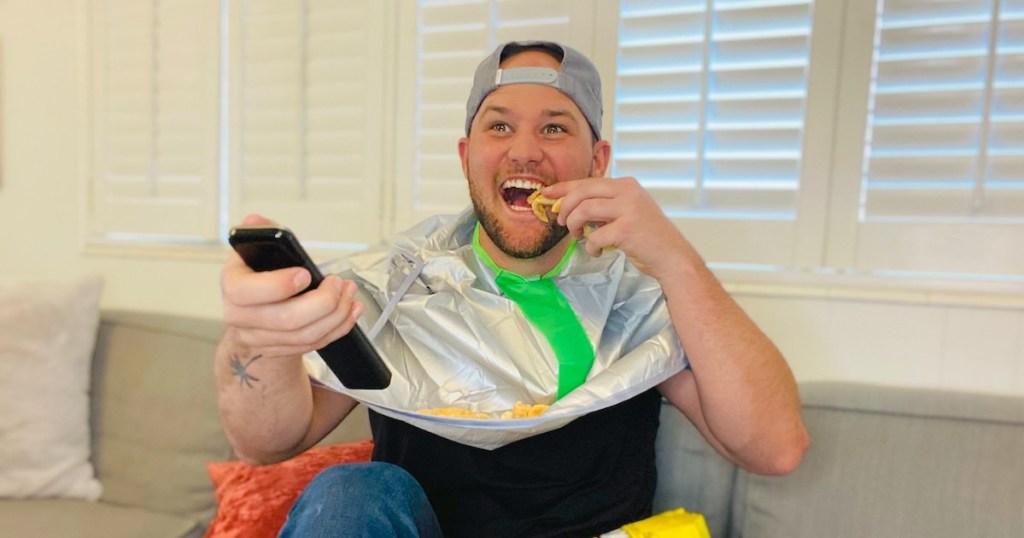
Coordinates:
<point>522,184</point>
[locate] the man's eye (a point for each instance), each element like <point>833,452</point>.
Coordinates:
<point>500,127</point>
<point>553,129</point>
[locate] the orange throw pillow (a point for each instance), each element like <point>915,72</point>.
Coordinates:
<point>253,500</point>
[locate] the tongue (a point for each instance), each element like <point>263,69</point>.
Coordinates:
<point>517,197</point>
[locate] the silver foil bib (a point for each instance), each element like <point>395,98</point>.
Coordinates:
<point>452,340</point>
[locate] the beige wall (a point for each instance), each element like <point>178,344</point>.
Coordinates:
<point>889,337</point>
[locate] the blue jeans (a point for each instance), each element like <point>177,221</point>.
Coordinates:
<point>362,499</point>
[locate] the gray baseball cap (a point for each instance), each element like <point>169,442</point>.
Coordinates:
<point>577,78</point>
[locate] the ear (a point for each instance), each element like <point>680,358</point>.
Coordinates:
<point>464,155</point>
<point>602,157</point>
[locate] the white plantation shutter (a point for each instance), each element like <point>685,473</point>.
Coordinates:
<point>709,116</point>
<point>943,178</point>
<point>155,120</point>
<point>452,37</point>
<point>791,136</point>
<point>308,109</point>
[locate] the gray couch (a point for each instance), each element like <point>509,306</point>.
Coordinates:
<point>154,428</point>
<point>883,461</point>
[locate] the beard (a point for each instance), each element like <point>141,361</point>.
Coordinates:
<point>496,229</point>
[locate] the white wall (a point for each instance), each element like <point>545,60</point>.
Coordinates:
<point>895,342</point>
<point>890,336</point>
<point>44,162</point>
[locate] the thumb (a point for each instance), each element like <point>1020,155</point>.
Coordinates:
<point>254,218</point>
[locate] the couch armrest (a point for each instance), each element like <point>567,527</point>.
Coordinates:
<point>889,461</point>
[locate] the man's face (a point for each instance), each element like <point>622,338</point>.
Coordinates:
<point>525,136</point>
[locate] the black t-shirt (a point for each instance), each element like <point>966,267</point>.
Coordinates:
<point>591,476</point>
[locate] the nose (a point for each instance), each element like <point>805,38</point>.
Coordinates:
<point>525,149</point>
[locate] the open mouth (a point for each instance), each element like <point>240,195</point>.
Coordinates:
<point>516,191</point>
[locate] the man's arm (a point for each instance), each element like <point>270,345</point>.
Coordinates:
<point>739,391</point>
<point>269,409</point>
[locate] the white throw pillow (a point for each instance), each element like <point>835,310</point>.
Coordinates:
<point>47,334</point>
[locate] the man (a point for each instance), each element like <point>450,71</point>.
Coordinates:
<point>533,122</point>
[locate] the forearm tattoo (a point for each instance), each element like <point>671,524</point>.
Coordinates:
<point>241,371</point>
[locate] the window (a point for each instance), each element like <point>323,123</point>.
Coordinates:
<point>156,154</point>
<point>306,129</point>
<point>942,178</point>
<point>710,102</point>
<point>791,137</point>
<point>207,111</point>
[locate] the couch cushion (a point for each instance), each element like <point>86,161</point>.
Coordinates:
<point>896,462</point>
<point>253,501</point>
<point>81,519</point>
<point>155,411</point>
<point>47,331</point>
<point>691,474</point>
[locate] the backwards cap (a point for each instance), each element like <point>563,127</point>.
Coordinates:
<point>576,77</point>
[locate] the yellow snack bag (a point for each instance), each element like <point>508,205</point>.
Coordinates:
<point>676,523</point>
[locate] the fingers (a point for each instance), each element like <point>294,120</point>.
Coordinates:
<point>627,218</point>
<point>598,241</point>
<point>299,340</point>
<point>254,219</point>
<point>595,214</point>
<point>242,286</point>
<point>265,312</point>
<point>288,313</point>
<point>267,315</point>
<point>594,201</point>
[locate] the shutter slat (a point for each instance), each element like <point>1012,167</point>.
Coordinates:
<point>728,125</point>
<point>934,98</point>
<point>156,95</point>
<point>306,97</point>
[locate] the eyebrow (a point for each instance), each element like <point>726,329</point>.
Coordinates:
<point>548,113</point>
